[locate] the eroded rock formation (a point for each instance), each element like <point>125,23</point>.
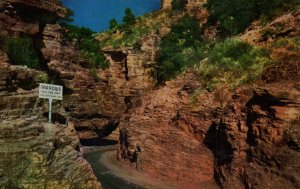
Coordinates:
<point>90,102</point>
<point>36,154</point>
<point>131,70</point>
<point>249,135</point>
<point>164,138</point>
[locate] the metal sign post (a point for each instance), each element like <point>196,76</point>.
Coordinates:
<point>51,92</point>
<point>50,110</point>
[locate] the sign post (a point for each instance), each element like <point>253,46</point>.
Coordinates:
<point>51,92</point>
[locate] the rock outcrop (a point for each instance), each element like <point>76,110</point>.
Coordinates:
<point>131,70</point>
<point>166,4</point>
<point>254,140</point>
<point>36,154</point>
<point>19,16</point>
<point>89,101</point>
<point>250,135</point>
<point>164,136</point>
<point>16,83</point>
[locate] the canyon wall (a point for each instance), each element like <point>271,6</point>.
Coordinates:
<point>246,137</point>
<point>240,139</point>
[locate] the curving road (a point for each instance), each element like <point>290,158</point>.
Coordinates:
<point>104,175</point>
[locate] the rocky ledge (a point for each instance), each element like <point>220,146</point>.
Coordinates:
<point>36,154</point>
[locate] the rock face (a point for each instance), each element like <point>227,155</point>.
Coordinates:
<point>89,102</point>
<point>287,24</point>
<point>19,16</point>
<point>258,136</point>
<point>166,4</point>
<point>164,138</point>
<point>131,70</point>
<point>250,136</point>
<point>36,154</point>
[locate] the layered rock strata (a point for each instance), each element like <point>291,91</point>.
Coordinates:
<point>249,136</point>
<point>131,70</point>
<point>90,102</point>
<point>164,136</point>
<point>36,154</point>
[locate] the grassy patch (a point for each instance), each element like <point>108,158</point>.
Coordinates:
<point>285,48</point>
<point>231,62</point>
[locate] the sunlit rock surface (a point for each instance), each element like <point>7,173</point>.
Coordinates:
<point>36,154</point>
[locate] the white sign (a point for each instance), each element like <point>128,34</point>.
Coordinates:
<point>50,91</point>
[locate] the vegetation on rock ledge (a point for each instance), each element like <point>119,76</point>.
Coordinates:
<point>118,36</point>
<point>85,41</point>
<point>235,16</point>
<point>179,49</point>
<point>231,62</point>
<point>20,51</point>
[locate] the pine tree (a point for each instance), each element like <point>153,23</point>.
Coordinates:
<point>179,5</point>
<point>129,18</point>
<point>113,24</point>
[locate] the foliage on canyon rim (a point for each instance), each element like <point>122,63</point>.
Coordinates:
<point>179,5</point>
<point>179,48</point>
<point>143,26</point>
<point>234,16</point>
<point>231,62</point>
<point>85,41</point>
<point>129,19</point>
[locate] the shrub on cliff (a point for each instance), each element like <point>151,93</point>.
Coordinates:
<point>234,16</point>
<point>87,44</point>
<point>233,62</point>
<point>179,48</point>
<point>21,51</point>
<point>143,26</point>
<point>179,5</point>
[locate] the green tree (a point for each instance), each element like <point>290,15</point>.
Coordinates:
<point>129,18</point>
<point>179,49</point>
<point>179,5</point>
<point>87,44</point>
<point>113,24</point>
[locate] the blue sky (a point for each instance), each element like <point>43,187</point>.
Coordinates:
<point>96,14</point>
